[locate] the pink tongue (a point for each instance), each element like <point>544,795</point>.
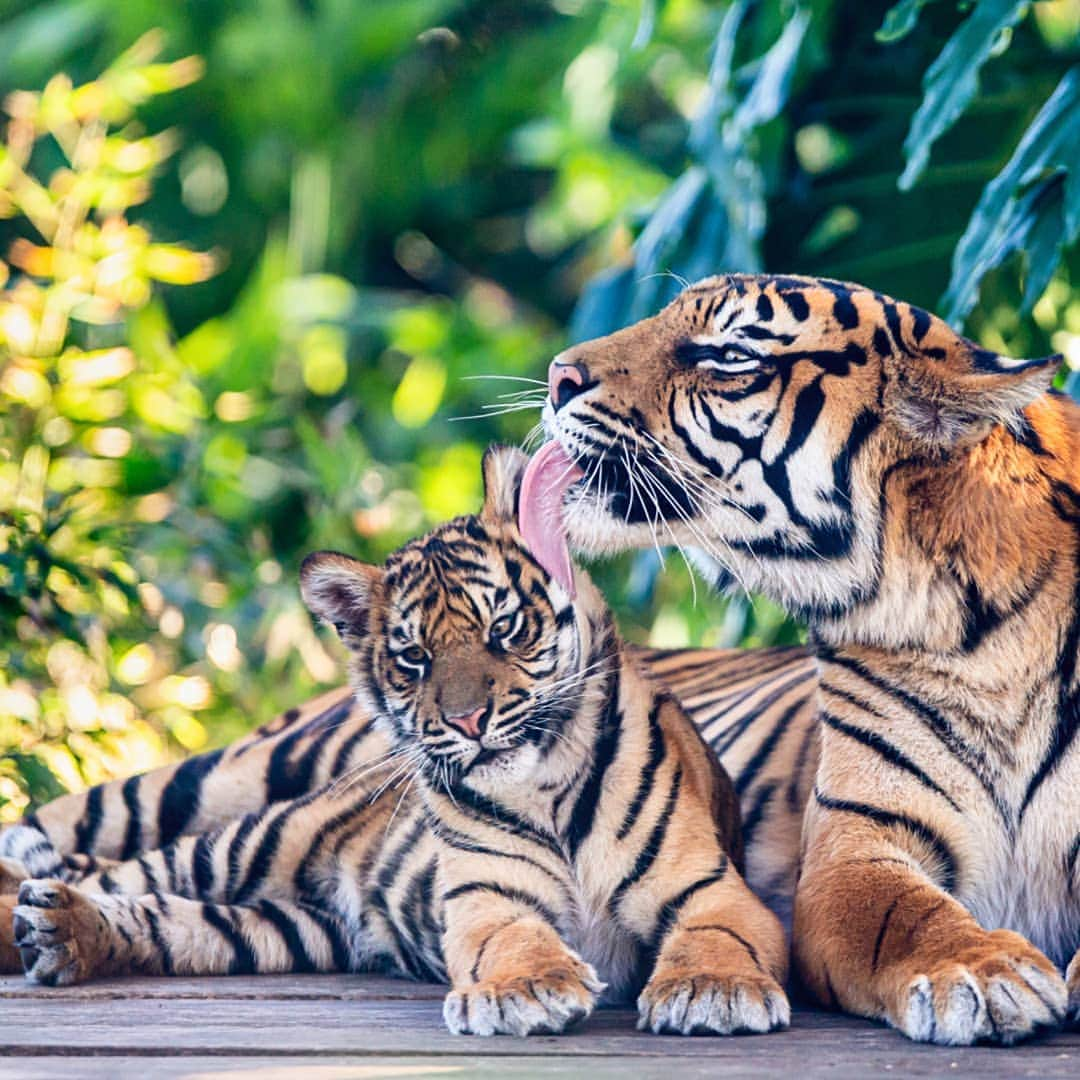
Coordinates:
<point>547,476</point>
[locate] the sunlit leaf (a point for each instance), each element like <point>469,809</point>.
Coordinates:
<point>1034,200</point>
<point>900,20</point>
<point>952,80</point>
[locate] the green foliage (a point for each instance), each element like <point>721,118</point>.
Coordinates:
<point>952,80</point>
<point>1032,206</point>
<point>396,197</point>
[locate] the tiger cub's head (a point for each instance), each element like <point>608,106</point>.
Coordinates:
<point>462,643</point>
<point>759,420</point>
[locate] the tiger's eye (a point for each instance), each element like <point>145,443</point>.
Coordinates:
<point>414,654</point>
<point>502,626</point>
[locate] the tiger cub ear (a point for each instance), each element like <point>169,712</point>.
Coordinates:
<point>339,590</point>
<point>503,467</point>
<point>957,395</point>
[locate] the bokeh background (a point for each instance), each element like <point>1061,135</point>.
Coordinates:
<point>255,253</point>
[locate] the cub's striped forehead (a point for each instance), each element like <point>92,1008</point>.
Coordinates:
<point>459,569</point>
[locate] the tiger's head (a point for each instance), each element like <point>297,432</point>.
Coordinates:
<point>757,420</point>
<point>462,644</point>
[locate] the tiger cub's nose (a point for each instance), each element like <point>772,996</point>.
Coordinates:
<point>469,724</point>
<point>565,382</point>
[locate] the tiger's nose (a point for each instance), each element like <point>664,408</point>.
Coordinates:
<point>469,724</point>
<point>565,382</point>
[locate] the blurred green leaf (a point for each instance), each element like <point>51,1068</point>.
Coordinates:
<point>952,80</point>
<point>1032,205</point>
<point>900,20</point>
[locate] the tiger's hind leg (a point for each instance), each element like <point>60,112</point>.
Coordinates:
<point>65,936</point>
<point>331,737</point>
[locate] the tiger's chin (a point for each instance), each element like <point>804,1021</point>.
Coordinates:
<point>497,767</point>
<point>593,530</point>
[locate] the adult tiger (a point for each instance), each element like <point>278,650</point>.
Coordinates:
<point>916,499</point>
<point>568,823</point>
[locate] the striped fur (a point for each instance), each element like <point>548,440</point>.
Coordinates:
<point>916,499</point>
<point>604,849</point>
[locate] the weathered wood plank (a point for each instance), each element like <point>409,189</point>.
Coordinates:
<point>840,1067</point>
<point>258,988</point>
<point>155,1034</point>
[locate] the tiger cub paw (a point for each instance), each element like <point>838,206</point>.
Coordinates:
<point>1072,980</point>
<point>713,1005</point>
<point>61,935</point>
<point>529,1005</point>
<point>1002,989</point>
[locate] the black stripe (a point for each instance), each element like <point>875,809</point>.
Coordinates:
<point>882,930</point>
<point>648,772</point>
<point>888,818</point>
<point>355,814</point>
<point>290,934</point>
<point>519,896</point>
<point>261,861</point>
<point>202,866</point>
<point>881,746</point>
<point>180,799</point>
<point>90,824</point>
<point>1068,711</point>
<point>236,848</point>
<point>243,962</point>
<point>133,833</point>
<point>471,804</point>
<point>968,756</point>
<point>162,946</point>
<point>603,754</point>
<point>332,927</point>
<point>761,755</point>
<point>453,838</point>
<point>168,855</point>
<point>669,912</point>
<point>756,814</point>
<point>651,850</point>
<point>731,933</point>
<point>148,873</point>
<point>347,747</point>
<point>1070,863</point>
<point>287,779</point>
<point>474,971</point>
<point>722,740</point>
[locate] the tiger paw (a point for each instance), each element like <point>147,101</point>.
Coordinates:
<point>1001,989</point>
<point>61,935</point>
<point>530,1005</point>
<point>713,1005</point>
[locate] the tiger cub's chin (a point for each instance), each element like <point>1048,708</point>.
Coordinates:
<point>585,834</point>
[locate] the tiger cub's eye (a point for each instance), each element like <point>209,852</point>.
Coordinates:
<point>503,626</point>
<point>414,654</point>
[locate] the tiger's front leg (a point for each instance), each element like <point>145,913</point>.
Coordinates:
<point>876,935</point>
<point>65,936</point>
<point>721,965</point>
<point>510,971</point>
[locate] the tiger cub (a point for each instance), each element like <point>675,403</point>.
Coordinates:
<point>564,831</point>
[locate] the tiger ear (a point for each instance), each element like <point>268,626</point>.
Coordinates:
<point>957,395</point>
<point>339,590</point>
<point>503,468</point>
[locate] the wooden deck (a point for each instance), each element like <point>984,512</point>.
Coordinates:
<point>355,1027</point>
